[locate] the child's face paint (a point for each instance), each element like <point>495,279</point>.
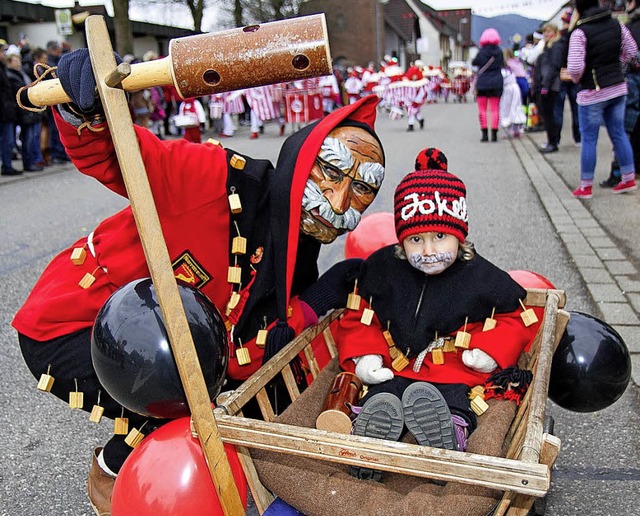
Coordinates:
<point>431,252</point>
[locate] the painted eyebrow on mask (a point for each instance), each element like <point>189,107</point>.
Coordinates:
<point>373,155</point>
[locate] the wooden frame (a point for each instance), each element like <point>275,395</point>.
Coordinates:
<point>525,473</point>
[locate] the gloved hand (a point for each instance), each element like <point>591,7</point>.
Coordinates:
<point>478,360</point>
<point>77,80</point>
<point>369,369</point>
<point>333,287</point>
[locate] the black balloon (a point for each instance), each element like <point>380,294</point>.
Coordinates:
<point>591,367</point>
<point>132,356</point>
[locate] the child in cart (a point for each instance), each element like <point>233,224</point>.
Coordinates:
<point>433,319</point>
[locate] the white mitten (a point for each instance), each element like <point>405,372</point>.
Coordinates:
<point>478,360</point>
<point>369,369</point>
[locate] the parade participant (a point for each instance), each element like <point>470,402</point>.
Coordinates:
<point>353,86</point>
<point>327,174</point>
<point>192,118</point>
<point>265,103</point>
<point>419,338</point>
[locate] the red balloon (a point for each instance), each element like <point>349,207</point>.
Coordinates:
<point>529,279</point>
<point>375,230</point>
<point>167,475</point>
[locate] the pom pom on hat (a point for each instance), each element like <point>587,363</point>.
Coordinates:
<point>431,159</point>
<point>431,199</point>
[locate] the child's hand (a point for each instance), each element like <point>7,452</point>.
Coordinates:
<point>369,369</point>
<point>477,360</point>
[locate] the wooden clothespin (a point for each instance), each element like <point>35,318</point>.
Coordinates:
<point>463,339</point>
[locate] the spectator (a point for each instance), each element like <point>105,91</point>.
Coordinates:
<point>489,82</point>
<point>597,46</point>
<point>28,121</point>
<point>632,112</point>
<point>568,89</point>
<point>548,72</point>
<point>56,150</point>
<point>512,116</point>
<point>8,114</point>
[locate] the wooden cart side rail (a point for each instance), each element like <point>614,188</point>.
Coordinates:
<point>257,381</point>
<point>409,459</point>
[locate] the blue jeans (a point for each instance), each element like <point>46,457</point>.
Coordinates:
<point>611,112</point>
<point>7,141</point>
<point>568,89</point>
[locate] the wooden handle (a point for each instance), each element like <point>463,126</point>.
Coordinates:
<point>234,59</point>
<point>155,250</point>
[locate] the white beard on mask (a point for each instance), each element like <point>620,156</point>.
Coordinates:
<point>338,223</point>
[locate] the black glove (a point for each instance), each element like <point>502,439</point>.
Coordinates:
<point>333,287</point>
<point>77,80</point>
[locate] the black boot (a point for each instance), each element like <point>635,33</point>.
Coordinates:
<point>422,123</point>
<point>410,128</point>
<point>485,135</point>
<point>494,135</point>
<point>614,176</point>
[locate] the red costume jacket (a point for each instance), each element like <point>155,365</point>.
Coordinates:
<point>191,184</point>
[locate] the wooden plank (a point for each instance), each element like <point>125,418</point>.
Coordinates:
<point>533,437</point>
<point>311,360</point>
<point>265,405</point>
<point>157,256</point>
<point>290,382</point>
<point>330,342</point>
<point>422,461</point>
<point>261,496</point>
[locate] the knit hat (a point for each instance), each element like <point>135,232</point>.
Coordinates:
<point>431,199</point>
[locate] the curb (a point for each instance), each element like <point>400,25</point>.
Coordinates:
<point>606,272</point>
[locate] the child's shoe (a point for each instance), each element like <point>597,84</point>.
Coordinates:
<point>427,416</point>
<point>380,417</point>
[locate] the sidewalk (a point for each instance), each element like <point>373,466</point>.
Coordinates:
<point>605,255</point>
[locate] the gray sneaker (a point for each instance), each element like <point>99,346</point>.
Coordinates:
<point>380,417</point>
<point>427,416</point>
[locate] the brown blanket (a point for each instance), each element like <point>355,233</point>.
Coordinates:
<point>324,488</point>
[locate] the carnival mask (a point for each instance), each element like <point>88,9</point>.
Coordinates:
<point>343,182</point>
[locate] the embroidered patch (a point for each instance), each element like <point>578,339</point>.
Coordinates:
<point>256,257</point>
<point>187,269</point>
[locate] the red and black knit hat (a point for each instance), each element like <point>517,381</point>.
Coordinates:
<point>431,199</point>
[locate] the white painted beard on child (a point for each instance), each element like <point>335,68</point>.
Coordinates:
<point>431,264</point>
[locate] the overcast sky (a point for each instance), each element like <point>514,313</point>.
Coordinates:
<point>538,9</point>
<point>180,16</point>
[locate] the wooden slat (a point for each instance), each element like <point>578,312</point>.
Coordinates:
<point>398,457</point>
<point>157,257</point>
<point>265,405</point>
<point>330,342</point>
<point>268,371</point>
<point>261,496</point>
<point>290,382</point>
<point>311,360</point>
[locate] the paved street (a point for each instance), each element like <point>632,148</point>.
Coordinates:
<point>522,216</point>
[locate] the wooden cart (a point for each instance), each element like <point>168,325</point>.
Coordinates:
<point>523,475</point>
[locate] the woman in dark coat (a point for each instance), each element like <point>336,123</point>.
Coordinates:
<point>548,66</point>
<point>489,82</point>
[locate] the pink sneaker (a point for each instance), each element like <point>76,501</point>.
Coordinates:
<point>625,186</point>
<point>582,192</point>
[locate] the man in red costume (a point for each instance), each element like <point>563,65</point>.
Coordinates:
<point>327,174</point>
